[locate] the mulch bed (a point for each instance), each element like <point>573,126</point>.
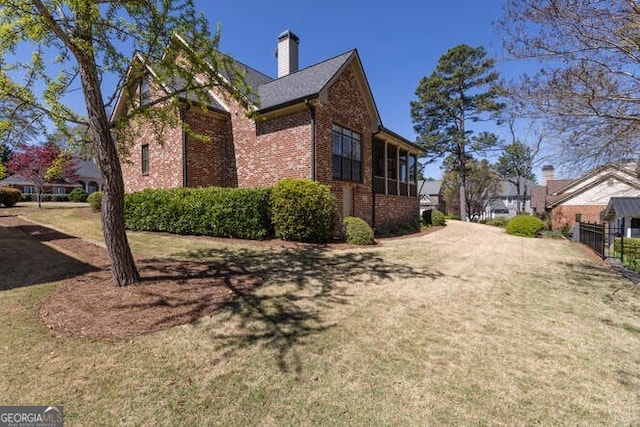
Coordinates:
<point>172,292</point>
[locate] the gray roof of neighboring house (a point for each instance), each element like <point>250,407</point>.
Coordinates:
<point>88,169</point>
<point>508,189</point>
<point>623,207</point>
<point>429,187</point>
<point>301,84</point>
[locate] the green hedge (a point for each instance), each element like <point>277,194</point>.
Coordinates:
<point>499,221</point>
<point>9,196</point>
<point>223,212</point>
<point>357,231</point>
<point>525,226</point>
<point>433,217</point>
<point>437,218</point>
<point>631,247</point>
<point>78,195</point>
<point>95,201</point>
<point>302,210</point>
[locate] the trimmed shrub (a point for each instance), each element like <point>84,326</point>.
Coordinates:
<point>78,195</point>
<point>223,212</point>
<point>302,210</point>
<point>9,196</point>
<point>437,218</point>
<point>95,201</point>
<point>47,197</point>
<point>357,231</point>
<point>498,222</point>
<point>398,229</point>
<point>525,226</point>
<point>426,217</point>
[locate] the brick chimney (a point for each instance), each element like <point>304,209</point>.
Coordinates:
<point>287,53</point>
<point>548,174</point>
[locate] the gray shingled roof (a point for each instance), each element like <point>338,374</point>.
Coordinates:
<point>88,169</point>
<point>429,187</point>
<point>508,189</point>
<point>623,207</point>
<point>301,84</point>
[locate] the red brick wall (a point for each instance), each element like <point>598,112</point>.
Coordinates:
<point>564,214</point>
<point>396,209</point>
<point>206,160</point>
<point>165,161</point>
<point>282,150</point>
<point>347,108</point>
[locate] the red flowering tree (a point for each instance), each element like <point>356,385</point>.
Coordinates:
<point>41,164</point>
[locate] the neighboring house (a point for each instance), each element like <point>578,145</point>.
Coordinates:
<point>623,214</point>
<point>430,193</point>
<point>569,201</point>
<point>89,178</point>
<point>505,203</point>
<point>320,122</point>
<point>27,188</point>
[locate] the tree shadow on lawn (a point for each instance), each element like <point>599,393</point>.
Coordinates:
<point>25,261</point>
<point>302,284</point>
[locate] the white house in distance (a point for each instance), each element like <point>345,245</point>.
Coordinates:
<point>89,179</point>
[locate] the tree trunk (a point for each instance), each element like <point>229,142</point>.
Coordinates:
<point>123,267</point>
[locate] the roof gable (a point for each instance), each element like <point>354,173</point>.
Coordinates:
<point>623,207</point>
<point>302,84</point>
<point>597,191</point>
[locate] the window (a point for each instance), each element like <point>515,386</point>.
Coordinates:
<point>578,217</point>
<point>144,90</point>
<point>413,169</point>
<point>404,172</point>
<point>378,158</point>
<point>58,190</point>
<point>29,189</point>
<point>347,154</point>
<point>145,159</point>
<point>392,162</point>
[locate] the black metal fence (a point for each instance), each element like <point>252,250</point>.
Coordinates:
<point>607,240</point>
<point>593,235</point>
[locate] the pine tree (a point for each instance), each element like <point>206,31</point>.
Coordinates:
<point>461,89</point>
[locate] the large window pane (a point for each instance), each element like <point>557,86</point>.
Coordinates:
<point>347,154</point>
<point>404,173</point>
<point>412,169</point>
<point>378,157</point>
<point>392,162</point>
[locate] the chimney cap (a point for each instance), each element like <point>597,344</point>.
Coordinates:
<point>548,168</point>
<point>288,34</point>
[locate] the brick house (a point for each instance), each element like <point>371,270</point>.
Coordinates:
<point>320,122</point>
<point>568,201</point>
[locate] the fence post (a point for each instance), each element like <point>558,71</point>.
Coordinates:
<point>622,231</point>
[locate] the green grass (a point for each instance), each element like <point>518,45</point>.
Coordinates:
<point>463,326</point>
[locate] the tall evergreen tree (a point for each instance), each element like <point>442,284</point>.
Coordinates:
<point>461,89</point>
<point>515,164</point>
<point>81,43</point>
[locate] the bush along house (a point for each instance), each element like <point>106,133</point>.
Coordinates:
<point>320,122</point>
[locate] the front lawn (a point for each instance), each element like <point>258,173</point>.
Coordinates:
<point>467,325</point>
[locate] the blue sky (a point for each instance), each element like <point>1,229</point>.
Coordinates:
<point>399,42</point>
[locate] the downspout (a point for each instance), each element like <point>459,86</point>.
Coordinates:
<point>312,113</point>
<point>183,116</point>
<point>373,177</point>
